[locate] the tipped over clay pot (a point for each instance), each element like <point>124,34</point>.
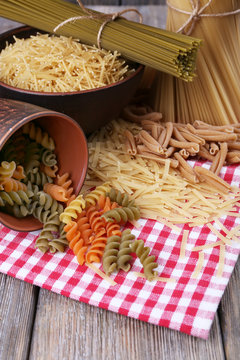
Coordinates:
<point>71,147</point>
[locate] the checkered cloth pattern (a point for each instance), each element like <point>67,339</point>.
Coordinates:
<point>187,305</point>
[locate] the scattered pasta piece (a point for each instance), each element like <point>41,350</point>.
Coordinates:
<point>199,265</point>
<point>184,243</point>
<point>101,274</point>
<point>155,278</point>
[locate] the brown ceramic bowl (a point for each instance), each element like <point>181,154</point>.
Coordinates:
<point>90,108</point>
<point>71,146</point>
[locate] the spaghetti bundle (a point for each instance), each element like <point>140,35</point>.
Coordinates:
<point>172,53</point>
<point>214,96</point>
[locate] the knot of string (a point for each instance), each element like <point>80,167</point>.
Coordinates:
<point>196,14</point>
<point>90,14</point>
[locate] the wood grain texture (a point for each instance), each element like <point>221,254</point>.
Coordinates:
<point>68,330</point>
<point>229,315</point>
<point>17,311</point>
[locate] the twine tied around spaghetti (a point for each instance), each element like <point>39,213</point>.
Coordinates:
<point>196,14</point>
<point>90,14</point>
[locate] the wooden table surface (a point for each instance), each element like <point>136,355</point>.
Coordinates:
<point>38,324</point>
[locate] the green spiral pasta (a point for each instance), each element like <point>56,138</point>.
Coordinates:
<point>124,257</point>
<point>60,242</point>
<point>14,197</point>
<point>38,211</point>
<point>48,158</point>
<point>122,213</point>
<point>93,196</point>
<point>121,198</point>
<point>32,189</point>
<point>147,261</point>
<point>40,136</point>
<point>110,254</point>
<point>49,203</point>
<point>32,157</point>
<point>14,149</point>
<point>19,211</point>
<point>39,178</point>
<point>8,153</point>
<point>51,225</point>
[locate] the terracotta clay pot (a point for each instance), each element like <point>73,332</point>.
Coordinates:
<point>71,147</point>
<point>90,108</point>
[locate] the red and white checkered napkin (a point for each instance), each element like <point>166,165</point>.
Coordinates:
<point>187,305</point>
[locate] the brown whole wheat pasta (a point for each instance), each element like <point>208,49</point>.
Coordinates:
<point>130,144</point>
<point>162,136</point>
<point>150,142</point>
<point>169,129</point>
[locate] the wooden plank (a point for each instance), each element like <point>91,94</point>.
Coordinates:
<point>67,329</point>
<point>229,315</point>
<point>17,311</point>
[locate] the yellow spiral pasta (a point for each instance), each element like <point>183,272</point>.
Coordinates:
<point>75,207</point>
<point>93,196</point>
<point>147,261</point>
<point>7,169</point>
<point>37,134</point>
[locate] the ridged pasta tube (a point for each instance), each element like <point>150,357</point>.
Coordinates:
<point>110,254</point>
<point>122,213</point>
<point>73,209</point>
<point>120,198</point>
<point>40,136</point>
<point>147,261</point>
<point>93,196</point>
<point>124,257</point>
<point>50,226</point>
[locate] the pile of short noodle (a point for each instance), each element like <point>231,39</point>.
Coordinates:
<point>159,190</point>
<point>59,64</point>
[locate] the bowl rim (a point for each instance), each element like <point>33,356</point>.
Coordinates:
<point>18,29</point>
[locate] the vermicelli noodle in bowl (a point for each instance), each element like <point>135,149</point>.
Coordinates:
<point>88,84</point>
<point>59,64</point>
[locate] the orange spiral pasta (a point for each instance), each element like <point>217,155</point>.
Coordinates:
<point>112,228</point>
<point>18,173</point>
<point>76,242</point>
<point>105,203</point>
<point>96,222</point>
<point>49,170</point>
<point>10,184</point>
<point>96,250</point>
<point>57,192</point>
<point>85,228</point>
<point>66,183</point>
